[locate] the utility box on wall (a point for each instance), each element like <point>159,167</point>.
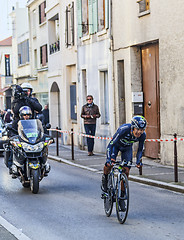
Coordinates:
<point>137,100</point>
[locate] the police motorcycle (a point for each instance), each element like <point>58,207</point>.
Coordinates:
<point>30,151</point>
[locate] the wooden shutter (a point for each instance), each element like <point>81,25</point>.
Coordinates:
<point>90,11</point>
<point>72,23</point>
<point>66,27</point>
<point>79,18</point>
<point>95,16</point>
<point>106,13</point>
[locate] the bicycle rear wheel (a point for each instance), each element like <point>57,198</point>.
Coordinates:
<point>108,198</point>
<point>122,201</point>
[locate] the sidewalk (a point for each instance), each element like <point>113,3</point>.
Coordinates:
<point>153,173</point>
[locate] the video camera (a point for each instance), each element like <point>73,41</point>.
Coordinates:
<point>19,93</point>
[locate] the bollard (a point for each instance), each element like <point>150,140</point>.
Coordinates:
<point>57,142</point>
<point>140,169</point>
<point>72,143</point>
<point>175,159</point>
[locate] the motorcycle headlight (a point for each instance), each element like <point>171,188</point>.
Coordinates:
<point>32,148</point>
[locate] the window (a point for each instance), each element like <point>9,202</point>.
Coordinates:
<point>144,5</point>
<point>7,65</point>
<point>73,102</point>
<point>85,20</point>
<point>43,55</point>
<point>42,14</point>
<point>104,99</point>
<point>101,15</point>
<point>35,58</point>
<point>23,52</point>
<point>69,25</point>
<point>93,16</point>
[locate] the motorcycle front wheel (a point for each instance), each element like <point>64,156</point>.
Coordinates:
<point>34,181</point>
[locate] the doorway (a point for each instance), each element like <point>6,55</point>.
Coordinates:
<point>150,75</point>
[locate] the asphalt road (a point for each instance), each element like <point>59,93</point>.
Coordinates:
<point>68,207</point>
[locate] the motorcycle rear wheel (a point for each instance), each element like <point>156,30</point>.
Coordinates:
<point>34,181</point>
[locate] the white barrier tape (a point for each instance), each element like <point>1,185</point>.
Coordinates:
<point>109,138</point>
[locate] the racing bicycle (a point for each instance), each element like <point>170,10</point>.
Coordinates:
<point>114,191</point>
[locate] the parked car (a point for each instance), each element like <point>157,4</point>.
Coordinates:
<point>3,135</point>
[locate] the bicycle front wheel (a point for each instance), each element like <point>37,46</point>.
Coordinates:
<point>108,199</point>
<point>122,198</point>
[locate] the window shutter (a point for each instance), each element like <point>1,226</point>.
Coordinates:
<point>79,18</point>
<point>90,10</point>
<point>39,14</point>
<point>72,23</point>
<point>95,16</point>
<point>106,13</point>
<point>40,55</point>
<point>66,27</point>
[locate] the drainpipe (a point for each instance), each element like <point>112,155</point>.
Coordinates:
<point>112,61</point>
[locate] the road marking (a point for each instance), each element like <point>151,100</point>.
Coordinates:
<point>13,230</point>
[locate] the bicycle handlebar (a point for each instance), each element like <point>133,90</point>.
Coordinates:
<point>125,164</point>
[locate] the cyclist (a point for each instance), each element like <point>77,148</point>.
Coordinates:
<point>122,141</point>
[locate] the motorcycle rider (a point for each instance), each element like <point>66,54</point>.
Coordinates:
<point>22,97</point>
<point>25,113</point>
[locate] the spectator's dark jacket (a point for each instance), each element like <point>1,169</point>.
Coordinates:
<point>46,115</point>
<point>90,112</point>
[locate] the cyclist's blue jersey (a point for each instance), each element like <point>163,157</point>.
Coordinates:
<point>123,138</point>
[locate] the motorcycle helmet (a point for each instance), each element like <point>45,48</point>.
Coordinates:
<point>139,122</point>
<point>25,110</point>
<point>25,86</point>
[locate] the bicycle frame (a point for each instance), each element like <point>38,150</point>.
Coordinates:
<point>114,193</point>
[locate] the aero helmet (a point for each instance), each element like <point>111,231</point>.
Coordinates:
<point>139,122</point>
<point>25,110</point>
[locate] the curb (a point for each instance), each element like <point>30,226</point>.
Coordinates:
<point>150,182</point>
<point>156,183</point>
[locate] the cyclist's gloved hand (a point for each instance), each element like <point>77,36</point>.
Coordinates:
<point>113,161</point>
<point>110,162</point>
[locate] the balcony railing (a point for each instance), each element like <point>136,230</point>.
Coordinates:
<point>54,47</point>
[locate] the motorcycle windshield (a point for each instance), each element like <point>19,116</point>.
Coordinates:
<point>30,130</point>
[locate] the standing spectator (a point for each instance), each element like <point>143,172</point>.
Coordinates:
<point>90,112</point>
<point>46,114</point>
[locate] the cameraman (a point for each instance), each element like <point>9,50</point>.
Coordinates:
<point>23,97</point>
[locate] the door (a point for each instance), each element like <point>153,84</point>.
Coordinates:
<point>150,74</point>
<point>121,92</point>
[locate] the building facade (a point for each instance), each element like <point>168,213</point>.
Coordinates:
<point>95,65</point>
<point>20,45</point>
<point>6,78</point>
<point>38,38</point>
<point>147,48</point>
